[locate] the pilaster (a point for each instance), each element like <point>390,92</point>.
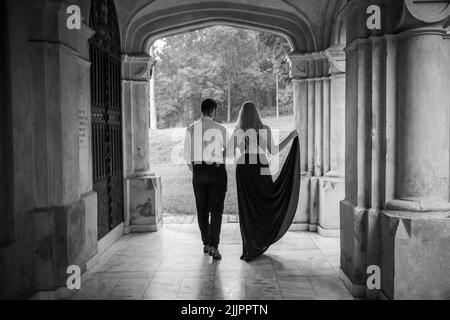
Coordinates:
<point>143,211</point>
<point>136,74</point>
<point>318,104</point>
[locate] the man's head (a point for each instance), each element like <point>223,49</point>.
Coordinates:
<point>209,108</point>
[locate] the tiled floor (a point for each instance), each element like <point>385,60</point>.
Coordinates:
<point>170,265</point>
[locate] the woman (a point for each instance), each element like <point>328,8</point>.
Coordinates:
<point>266,208</point>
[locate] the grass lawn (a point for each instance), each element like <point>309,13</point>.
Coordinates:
<point>166,150</point>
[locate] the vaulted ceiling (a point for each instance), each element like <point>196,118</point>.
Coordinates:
<point>310,25</point>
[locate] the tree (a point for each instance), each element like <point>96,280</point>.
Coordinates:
<point>276,61</point>
<point>224,63</point>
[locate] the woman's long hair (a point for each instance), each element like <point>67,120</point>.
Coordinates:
<point>249,118</point>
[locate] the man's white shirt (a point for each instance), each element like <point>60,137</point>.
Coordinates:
<point>205,141</point>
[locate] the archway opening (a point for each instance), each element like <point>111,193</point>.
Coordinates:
<point>317,68</point>
<point>174,253</point>
<point>232,65</point>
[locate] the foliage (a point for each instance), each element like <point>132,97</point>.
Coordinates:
<point>208,63</point>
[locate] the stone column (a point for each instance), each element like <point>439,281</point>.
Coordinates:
<point>422,131</point>
<point>153,116</point>
<point>314,96</point>
<point>301,108</point>
<point>336,55</point>
<point>143,212</point>
<point>419,258</point>
<point>63,198</point>
<point>396,211</point>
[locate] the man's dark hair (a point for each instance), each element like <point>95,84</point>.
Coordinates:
<point>208,106</point>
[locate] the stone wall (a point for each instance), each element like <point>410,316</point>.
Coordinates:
<point>55,208</point>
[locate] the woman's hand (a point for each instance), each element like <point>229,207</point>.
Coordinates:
<point>293,135</point>
<point>285,142</point>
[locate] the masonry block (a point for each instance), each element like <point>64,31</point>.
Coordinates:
<point>331,193</point>
<point>144,203</point>
<point>415,255</point>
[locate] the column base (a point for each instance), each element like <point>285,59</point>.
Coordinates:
<point>59,238</point>
<point>299,227</point>
<point>144,228</point>
<point>302,215</point>
<point>143,204</point>
<point>91,223</point>
<point>415,255</point>
<point>331,192</point>
<point>356,290</point>
<point>329,233</point>
<point>353,235</point>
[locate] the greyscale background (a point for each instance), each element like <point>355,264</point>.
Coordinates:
<point>81,213</point>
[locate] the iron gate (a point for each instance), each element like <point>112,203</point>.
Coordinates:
<point>106,109</point>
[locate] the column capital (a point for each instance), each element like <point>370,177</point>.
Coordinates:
<point>309,65</point>
<point>316,65</point>
<point>137,67</point>
<point>337,58</point>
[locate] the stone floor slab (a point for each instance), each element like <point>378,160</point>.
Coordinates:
<point>171,265</point>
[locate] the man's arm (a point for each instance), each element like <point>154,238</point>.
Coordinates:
<point>187,149</point>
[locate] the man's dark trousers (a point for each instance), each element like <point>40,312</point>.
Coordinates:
<point>210,188</point>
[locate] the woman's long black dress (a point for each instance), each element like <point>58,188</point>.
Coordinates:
<point>267,208</point>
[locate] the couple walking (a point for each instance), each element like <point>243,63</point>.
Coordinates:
<point>266,207</point>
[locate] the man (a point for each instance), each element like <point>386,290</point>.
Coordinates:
<point>204,147</point>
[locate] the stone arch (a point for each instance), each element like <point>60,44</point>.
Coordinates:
<point>200,25</point>
<point>318,67</point>
<point>146,26</point>
<point>336,34</point>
